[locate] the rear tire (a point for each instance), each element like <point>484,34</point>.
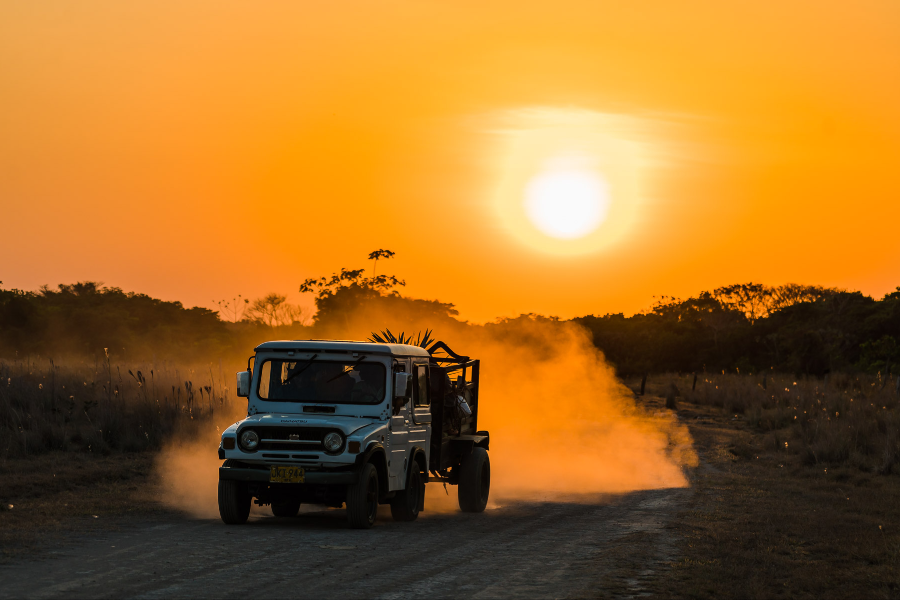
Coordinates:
<point>475,481</point>
<point>286,508</point>
<point>362,499</point>
<point>234,502</point>
<point>405,505</point>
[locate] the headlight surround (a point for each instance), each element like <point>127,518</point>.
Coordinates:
<point>249,440</point>
<point>333,442</point>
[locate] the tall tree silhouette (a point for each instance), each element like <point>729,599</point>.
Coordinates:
<point>379,254</point>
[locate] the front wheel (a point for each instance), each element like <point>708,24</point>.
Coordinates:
<point>475,481</point>
<point>234,502</point>
<point>405,505</point>
<point>362,498</point>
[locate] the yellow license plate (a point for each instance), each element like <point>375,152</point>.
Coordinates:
<point>286,474</point>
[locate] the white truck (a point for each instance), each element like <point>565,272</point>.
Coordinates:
<point>355,423</point>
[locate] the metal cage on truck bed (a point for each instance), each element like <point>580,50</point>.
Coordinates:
<point>454,384</point>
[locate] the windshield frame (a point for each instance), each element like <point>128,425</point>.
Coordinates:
<point>311,362</point>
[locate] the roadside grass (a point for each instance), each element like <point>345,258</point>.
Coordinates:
<point>797,521</point>
<point>78,441</point>
<point>100,408</point>
<point>851,421</point>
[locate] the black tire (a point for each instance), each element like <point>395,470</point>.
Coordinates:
<point>234,502</point>
<point>475,481</point>
<point>362,498</point>
<point>405,504</point>
<point>286,508</point>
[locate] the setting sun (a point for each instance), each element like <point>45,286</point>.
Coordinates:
<point>173,134</point>
<point>568,179</point>
<point>567,203</point>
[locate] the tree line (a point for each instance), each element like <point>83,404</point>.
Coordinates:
<point>806,330</point>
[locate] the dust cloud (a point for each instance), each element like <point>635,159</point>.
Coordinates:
<point>562,425</point>
<point>188,466</point>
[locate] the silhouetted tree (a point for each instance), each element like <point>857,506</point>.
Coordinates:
<point>273,310</point>
<point>379,254</point>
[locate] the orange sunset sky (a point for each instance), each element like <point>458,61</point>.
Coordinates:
<point>195,150</point>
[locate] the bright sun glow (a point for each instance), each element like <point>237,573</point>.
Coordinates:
<point>567,204</point>
<point>567,178</point>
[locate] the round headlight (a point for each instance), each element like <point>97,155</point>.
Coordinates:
<point>333,441</point>
<point>249,440</point>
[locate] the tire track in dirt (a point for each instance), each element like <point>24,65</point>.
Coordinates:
<point>522,550</point>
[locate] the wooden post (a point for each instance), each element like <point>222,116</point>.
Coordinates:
<point>643,383</point>
<point>694,385</point>
<point>671,394</point>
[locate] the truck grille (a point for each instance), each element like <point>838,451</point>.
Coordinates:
<point>292,438</point>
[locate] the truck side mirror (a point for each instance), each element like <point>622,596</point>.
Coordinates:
<point>243,384</point>
<point>401,385</point>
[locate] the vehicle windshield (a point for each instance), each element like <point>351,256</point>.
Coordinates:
<point>328,381</point>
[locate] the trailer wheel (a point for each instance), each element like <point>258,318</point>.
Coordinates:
<point>285,508</point>
<point>362,498</point>
<point>475,481</point>
<point>234,502</point>
<point>405,505</point>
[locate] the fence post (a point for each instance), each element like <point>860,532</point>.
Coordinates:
<point>694,385</point>
<point>643,383</point>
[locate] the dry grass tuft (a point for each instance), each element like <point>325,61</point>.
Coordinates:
<point>845,421</point>
<point>102,408</point>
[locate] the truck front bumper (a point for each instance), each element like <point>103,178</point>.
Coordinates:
<point>310,477</point>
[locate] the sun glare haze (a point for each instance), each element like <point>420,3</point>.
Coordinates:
<point>568,179</point>
<point>165,146</point>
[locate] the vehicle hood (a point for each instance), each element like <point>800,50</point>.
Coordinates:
<point>346,424</point>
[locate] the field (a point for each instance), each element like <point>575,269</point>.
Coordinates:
<point>102,407</point>
<point>795,496</point>
<point>782,506</point>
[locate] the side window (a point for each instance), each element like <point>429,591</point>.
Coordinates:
<point>422,387</point>
<point>265,376</point>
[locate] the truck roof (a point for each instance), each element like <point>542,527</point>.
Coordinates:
<point>343,346</point>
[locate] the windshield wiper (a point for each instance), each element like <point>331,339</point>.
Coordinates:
<point>347,369</point>
<point>297,370</point>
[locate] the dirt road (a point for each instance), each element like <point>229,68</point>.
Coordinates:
<point>607,547</point>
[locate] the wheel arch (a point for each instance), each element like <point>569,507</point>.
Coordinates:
<point>418,457</point>
<point>376,455</point>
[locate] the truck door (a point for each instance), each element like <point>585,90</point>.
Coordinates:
<point>398,446</point>
<point>420,423</point>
